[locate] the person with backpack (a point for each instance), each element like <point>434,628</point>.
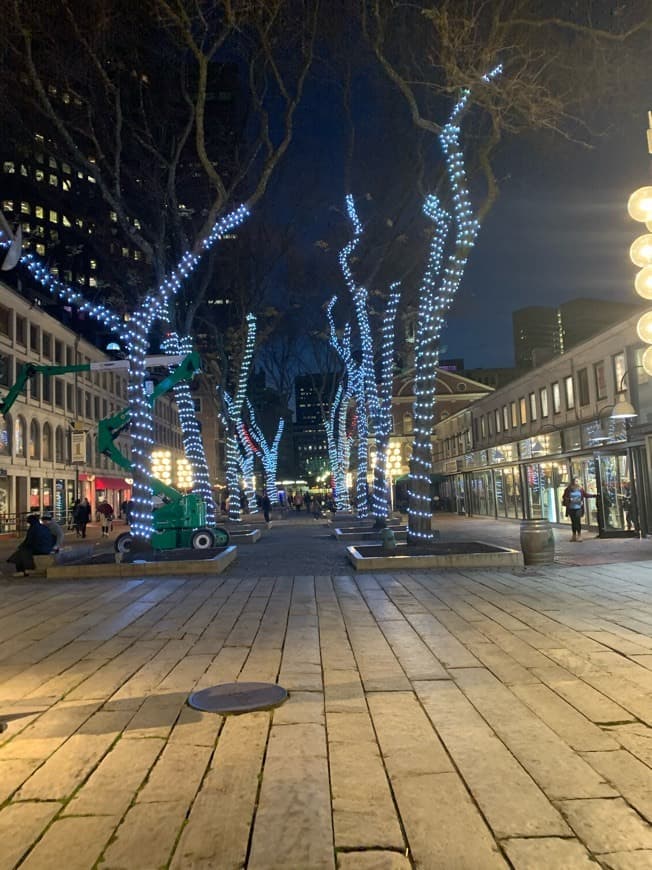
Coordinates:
<point>105,511</point>
<point>573,500</point>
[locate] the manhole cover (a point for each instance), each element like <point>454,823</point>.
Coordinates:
<point>238,697</point>
<point>3,727</point>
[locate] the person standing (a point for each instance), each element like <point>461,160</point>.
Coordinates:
<point>266,505</point>
<point>105,511</point>
<point>82,516</point>
<point>298,501</point>
<point>573,500</point>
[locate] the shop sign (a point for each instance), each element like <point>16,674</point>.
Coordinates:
<point>78,447</point>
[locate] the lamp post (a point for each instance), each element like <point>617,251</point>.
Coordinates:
<point>394,468</point>
<point>639,207</point>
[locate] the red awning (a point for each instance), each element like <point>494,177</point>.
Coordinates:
<point>110,483</point>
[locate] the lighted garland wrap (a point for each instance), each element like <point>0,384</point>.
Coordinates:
<point>193,443</point>
<point>268,452</point>
<point>134,335</point>
<point>232,420</point>
<point>440,283</point>
<point>354,388</point>
<point>337,448</point>
<point>383,422</point>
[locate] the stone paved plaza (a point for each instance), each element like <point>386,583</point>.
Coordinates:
<point>461,720</point>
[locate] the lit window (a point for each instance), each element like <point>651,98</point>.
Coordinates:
<point>52,163</point>
<point>54,181</point>
<point>125,252</point>
<point>23,170</point>
<point>54,217</point>
<point>137,223</point>
<point>52,90</point>
<point>66,184</point>
<point>113,216</point>
<point>65,168</point>
<point>40,249</point>
<point>39,175</point>
<point>39,137</point>
<point>91,179</point>
<point>7,204</point>
<point>93,264</point>
<point>556,398</point>
<point>25,208</point>
<point>138,255</point>
<point>66,98</point>
<point>533,406</point>
<point>80,175</point>
<point>79,223</point>
<point>570,392</point>
<point>522,405</point>
<point>497,421</point>
<point>9,167</point>
<point>65,221</point>
<point>38,211</point>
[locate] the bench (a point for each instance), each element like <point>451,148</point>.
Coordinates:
<point>42,563</point>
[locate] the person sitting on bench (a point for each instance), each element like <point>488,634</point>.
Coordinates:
<point>38,542</point>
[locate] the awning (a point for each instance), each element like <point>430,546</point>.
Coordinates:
<point>106,482</point>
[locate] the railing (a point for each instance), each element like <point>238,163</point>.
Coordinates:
<point>16,524</point>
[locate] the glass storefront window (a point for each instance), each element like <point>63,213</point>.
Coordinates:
<point>513,501</point>
<point>571,438</point>
<point>546,483</point>
<point>482,494</point>
<point>525,449</point>
<point>504,453</point>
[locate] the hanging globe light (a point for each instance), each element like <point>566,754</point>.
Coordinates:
<point>646,361</point>
<point>639,205</point>
<point>644,327</point>
<point>640,252</point>
<point>643,283</point>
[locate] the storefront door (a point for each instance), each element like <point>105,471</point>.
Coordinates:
<point>615,505</point>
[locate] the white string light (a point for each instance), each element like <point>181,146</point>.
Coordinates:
<point>268,452</point>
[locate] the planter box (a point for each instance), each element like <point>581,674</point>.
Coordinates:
<point>464,554</point>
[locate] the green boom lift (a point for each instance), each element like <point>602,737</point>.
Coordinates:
<point>181,520</point>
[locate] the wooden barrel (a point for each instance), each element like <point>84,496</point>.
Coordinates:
<point>537,542</point>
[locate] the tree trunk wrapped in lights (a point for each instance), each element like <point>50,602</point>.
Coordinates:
<point>335,427</point>
<point>193,443</point>
<point>375,399</point>
<point>232,420</point>
<point>356,389</point>
<point>383,419</point>
<point>268,452</point>
<point>457,232</point>
<point>134,334</point>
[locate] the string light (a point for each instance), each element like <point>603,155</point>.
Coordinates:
<point>233,423</point>
<point>268,452</point>
<point>134,335</point>
<point>440,283</point>
<point>383,419</point>
<point>193,444</point>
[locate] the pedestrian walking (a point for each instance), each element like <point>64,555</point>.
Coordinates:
<point>266,505</point>
<point>298,501</point>
<point>573,500</point>
<point>82,517</point>
<point>105,511</point>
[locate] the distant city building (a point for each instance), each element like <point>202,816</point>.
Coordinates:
<point>314,394</point>
<point>543,332</point>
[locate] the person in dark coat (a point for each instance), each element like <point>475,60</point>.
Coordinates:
<point>266,505</point>
<point>38,541</point>
<point>82,517</point>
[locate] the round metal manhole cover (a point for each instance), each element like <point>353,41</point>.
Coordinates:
<point>238,697</point>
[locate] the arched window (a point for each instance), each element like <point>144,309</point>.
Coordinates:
<point>20,436</point>
<point>34,441</point>
<point>47,442</point>
<point>407,423</point>
<point>59,444</point>
<point>6,436</point>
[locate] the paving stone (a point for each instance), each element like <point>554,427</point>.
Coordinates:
<point>443,826</point>
<point>635,737</point>
<point>408,742</point>
<point>416,659</point>
<point>213,839</point>
<point>13,774</point>
<point>372,860</point>
<point>21,824</point>
<point>301,708</point>
<point>363,809</point>
<point>343,691</point>
<point>156,716</point>
<point>639,860</point>
<point>559,771</point>
<point>293,826</point>
<point>607,825</point>
<point>553,853</point>
<point>67,768</point>
<point>574,728</point>
<point>74,843</point>
<point>44,736</point>
<point>510,800</point>
<point>111,787</point>
<point>146,837</point>
<point>629,776</point>
<point>591,703</point>
<point>177,773</point>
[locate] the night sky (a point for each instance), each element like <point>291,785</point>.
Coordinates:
<point>558,231</point>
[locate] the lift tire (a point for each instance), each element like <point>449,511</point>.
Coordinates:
<point>202,539</point>
<point>222,537</point>
<point>124,543</point>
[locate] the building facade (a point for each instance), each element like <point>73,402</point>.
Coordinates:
<point>511,454</point>
<point>38,469</point>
